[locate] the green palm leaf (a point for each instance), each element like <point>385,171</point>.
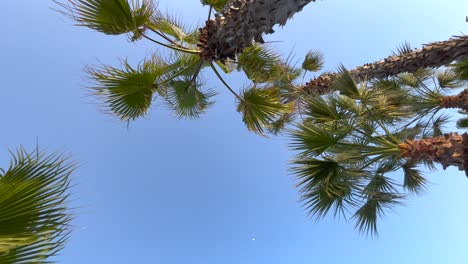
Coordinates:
<point>413,182</point>
<point>461,68</point>
<point>345,83</point>
<point>313,61</point>
<point>216,4</point>
<point>167,24</point>
<point>261,107</point>
<point>34,219</point>
<point>259,62</point>
<point>112,17</point>
<point>375,207</point>
<point>187,99</point>
<point>324,185</point>
<point>315,139</point>
<point>127,92</point>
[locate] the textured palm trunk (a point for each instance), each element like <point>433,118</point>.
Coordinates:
<point>448,150</point>
<point>432,55</point>
<point>242,23</point>
<point>459,101</point>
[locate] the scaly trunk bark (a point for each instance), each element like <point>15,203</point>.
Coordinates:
<point>242,23</point>
<point>448,150</point>
<point>459,101</point>
<point>432,55</point>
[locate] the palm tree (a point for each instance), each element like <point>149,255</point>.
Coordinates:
<point>432,55</point>
<point>129,91</point>
<point>351,145</point>
<point>34,215</point>
<point>241,23</point>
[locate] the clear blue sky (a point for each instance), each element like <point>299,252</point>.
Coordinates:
<point>178,191</point>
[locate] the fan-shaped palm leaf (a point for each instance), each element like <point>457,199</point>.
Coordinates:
<point>374,208</point>
<point>324,185</point>
<point>261,107</point>
<point>345,83</point>
<point>34,219</point>
<point>168,25</point>
<point>186,98</point>
<point>112,17</point>
<point>127,92</point>
<point>259,62</point>
<point>414,182</point>
<point>313,61</point>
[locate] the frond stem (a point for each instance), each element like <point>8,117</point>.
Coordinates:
<point>225,84</point>
<point>171,47</point>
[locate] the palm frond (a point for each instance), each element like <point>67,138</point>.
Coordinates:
<point>461,68</point>
<point>258,62</point>
<point>315,139</point>
<point>34,218</point>
<point>279,124</point>
<point>375,207</point>
<point>313,61</point>
<point>112,17</point>
<point>216,4</point>
<point>324,185</point>
<point>169,25</point>
<point>261,107</point>
<point>127,92</point>
<point>186,97</point>
<point>448,78</point>
<point>414,181</point>
<point>345,83</point>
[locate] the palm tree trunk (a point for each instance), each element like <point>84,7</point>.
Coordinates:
<point>448,150</point>
<point>432,55</point>
<point>242,23</point>
<point>459,101</point>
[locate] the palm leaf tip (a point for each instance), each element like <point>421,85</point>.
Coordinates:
<point>324,186</point>
<point>261,107</point>
<point>34,216</point>
<point>112,17</point>
<point>313,61</point>
<point>127,92</point>
<point>375,207</point>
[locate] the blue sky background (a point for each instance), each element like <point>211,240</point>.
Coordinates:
<point>176,191</point>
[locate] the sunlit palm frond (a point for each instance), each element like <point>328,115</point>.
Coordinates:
<point>187,98</point>
<point>321,109</point>
<point>34,216</point>
<point>112,17</point>
<point>261,107</point>
<point>380,183</point>
<point>374,208</point>
<point>414,182</point>
<point>216,4</point>
<point>345,83</point>
<point>313,61</point>
<point>127,92</point>
<point>259,62</point>
<point>315,139</point>
<point>414,79</point>
<point>448,78</point>
<point>169,25</point>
